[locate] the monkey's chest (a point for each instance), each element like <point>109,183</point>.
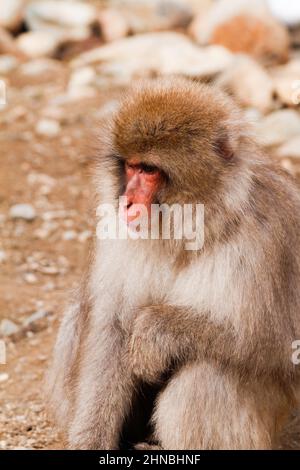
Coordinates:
<point>145,283</point>
<point>209,286</point>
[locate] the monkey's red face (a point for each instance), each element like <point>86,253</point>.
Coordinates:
<point>142,185</point>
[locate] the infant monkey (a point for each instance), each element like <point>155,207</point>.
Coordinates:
<point>211,330</point>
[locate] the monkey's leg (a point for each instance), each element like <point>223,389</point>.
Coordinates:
<point>104,393</point>
<point>204,407</point>
<point>146,446</point>
<point>59,378</point>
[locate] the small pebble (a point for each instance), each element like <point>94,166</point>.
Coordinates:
<point>3,256</point>
<point>22,211</point>
<point>30,278</point>
<point>7,327</point>
<point>4,377</point>
<point>48,128</point>
<point>69,235</point>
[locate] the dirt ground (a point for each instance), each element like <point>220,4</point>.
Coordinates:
<point>44,257</point>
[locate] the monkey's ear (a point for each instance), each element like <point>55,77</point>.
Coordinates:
<point>224,147</point>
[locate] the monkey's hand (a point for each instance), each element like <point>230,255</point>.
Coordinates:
<point>149,353</point>
<point>164,336</point>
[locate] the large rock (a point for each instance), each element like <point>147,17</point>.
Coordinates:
<point>204,25</point>
<point>81,83</point>
<point>113,25</point>
<point>39,43</point>
<point>288,12</point>
<point>37,321</point>
<point>249,83</point>
<point>153,53</point>
<point>290,149</point>
<point>286,80</point>
<point>41,67</point>
<point>82,77</point>
<point>278,127</point>
<point>11,14</point>
<point>243,26</point>
<point>8,328</point>
<point>199,6</point>
<point>7,44</point>
<point>61,16</point>
<point>153,15</point>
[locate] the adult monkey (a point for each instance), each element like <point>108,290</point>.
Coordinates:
<point>219,321</point>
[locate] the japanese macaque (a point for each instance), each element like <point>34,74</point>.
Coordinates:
<point>181,348</point>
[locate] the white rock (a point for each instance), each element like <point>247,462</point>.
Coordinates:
<point>224,23</point>
<point>39,43</point>
<point>203,26</point>
<point>286,81</point>
<point>81,84</point>
<point>69,235</point>
<point>60,15</point>
<point>290,149</point>
<point>59,214</point>
<point>16,113</point>
<point>252,115</point>
<point>288,166</point>
<point>46,230</point>
<point>8,63</point>
<point>153,15</point>
<point>278,127</point>
<point>3,256</point>
<point>48,128</point>
<point>113,25</point>
<point>84,236</point>
<point>80,93</point>
<point>4,85</point>
<point>40,66</point>
<point>107,109</point>
<point>143,55</point>
<point>73,94</point>
<point>11,13</point>
<point>287,12</point>
<point>36,317</point>
<point>249,83</point>
<point>4,377</point>
<point>30,278</point>
<point>56,113</point>
<point>7,328</point>
<point>199,6</point>
<point>82,77</point>
<point>41,178</point>
<point>22,211</point>
<point>49,286</point>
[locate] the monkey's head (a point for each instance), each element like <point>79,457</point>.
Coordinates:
<point>174,141</point>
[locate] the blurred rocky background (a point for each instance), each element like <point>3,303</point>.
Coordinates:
<point>63,65</point>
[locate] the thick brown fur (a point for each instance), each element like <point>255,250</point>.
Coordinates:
<point>220,321</point>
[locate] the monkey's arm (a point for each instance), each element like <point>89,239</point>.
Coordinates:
<point>164,335</point>
<point>104,391</point>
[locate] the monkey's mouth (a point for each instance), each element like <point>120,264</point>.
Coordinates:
<point>131,212</point>
<point>129,205</point>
